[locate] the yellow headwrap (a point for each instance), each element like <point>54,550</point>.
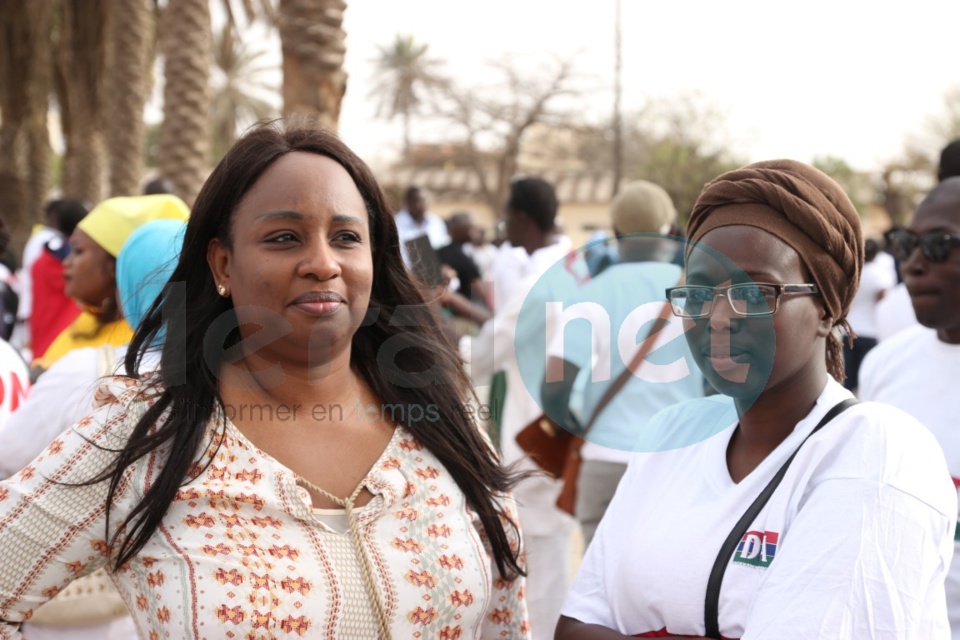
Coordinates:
<point>112,221</point>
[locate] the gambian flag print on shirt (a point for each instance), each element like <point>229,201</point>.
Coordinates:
<point>757,548</point>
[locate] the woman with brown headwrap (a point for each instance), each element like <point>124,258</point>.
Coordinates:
<point>855,540</point>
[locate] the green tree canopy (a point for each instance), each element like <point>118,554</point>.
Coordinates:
<point>240,86</point>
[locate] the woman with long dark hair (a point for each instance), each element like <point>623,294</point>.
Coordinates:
<point>301,464</point>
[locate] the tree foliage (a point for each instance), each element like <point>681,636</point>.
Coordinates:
<point>240,88</point>
<point>403,72</point>
<point>90,62</point>
<point>680,145</point>
<point>902,180</point>
<point>492,120</point>
<point>852,182</point>
<point>674,142</point>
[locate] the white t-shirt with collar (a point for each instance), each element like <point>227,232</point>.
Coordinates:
<point>854,544</point>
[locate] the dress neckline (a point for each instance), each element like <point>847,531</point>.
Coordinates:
<point>235,432</point>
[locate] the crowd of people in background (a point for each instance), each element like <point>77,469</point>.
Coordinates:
<point>140,447</point>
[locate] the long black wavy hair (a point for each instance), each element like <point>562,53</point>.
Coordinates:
<point>422,369</point>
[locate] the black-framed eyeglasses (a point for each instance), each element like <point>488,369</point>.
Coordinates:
<point>753,299</point>
<point>935,245</point>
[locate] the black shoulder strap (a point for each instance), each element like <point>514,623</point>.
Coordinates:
<point>711,609</point>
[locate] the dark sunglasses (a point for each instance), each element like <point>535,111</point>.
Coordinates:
<point>936,246</point>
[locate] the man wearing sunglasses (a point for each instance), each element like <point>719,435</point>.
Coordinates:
<point>895,313</point>
<point>916,370</point>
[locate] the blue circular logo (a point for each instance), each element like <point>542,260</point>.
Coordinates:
<point>615,342</point>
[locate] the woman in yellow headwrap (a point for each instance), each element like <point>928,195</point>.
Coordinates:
<point>90,271</point>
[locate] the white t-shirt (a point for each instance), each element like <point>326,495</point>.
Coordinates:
<point>894,313</point>
<point>506,274</point>
<point>878,276</point>
<point>916,372</point>
<point>432,226</point>
<point>512,341</point>
<point>854,544</point>
<point>32,250</point>
<point>484,256</point>
<point>14,383</point>
<point>61,397</point>
<point>618,307</point>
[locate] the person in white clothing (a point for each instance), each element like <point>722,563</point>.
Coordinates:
<point>616,305</point>
<point>483,252</point>
<point>879,276</point>
<point>414,221</point>
<point>485,256</point>
<point>510,270</point>
<point>855,541</point>
<point>894,313</point>
<point>15,384</point>
<point>917,369</point>
<point>514,342</point>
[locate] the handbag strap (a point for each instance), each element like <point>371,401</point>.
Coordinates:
<point>711,609</point>
<point>645,348</point>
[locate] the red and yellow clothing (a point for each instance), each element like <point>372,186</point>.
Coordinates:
<point>83,332</point>
<point>53,310</point>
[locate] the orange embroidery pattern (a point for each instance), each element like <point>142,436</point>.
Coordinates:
<point>239,554</point>
<point>422,616</point>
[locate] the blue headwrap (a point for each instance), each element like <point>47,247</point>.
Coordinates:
<point>144,265</point>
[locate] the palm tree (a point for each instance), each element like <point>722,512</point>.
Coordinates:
<point>80,74</point>
<point>38,103</point>
<point>403,69</point>
<point>128,50</point>
<point>185,41</point>
<point>24,140</point>
<point>313,43</point>
<point>238,79</point>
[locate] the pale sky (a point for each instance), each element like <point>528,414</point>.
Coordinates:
<point>849,78</point>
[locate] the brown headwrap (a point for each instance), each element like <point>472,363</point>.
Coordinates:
<point>806,209</point>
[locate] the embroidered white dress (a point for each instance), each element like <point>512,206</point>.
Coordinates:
<point>240,553</point>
